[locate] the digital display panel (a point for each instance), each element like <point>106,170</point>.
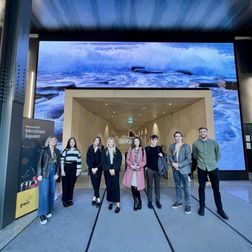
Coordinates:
<point>144,65</point>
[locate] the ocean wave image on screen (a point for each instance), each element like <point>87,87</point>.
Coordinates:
<point>144,65</point>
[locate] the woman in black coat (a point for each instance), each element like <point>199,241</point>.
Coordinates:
<point>93,159</point>
<point>111,164</point>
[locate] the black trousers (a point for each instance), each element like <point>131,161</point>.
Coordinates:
<point>96,182</point>
<point>151,176</point>
<point>113,187</point>
<point>214,179</point>
<point>68,182</point>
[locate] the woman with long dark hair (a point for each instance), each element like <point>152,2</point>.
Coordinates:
<point>111,164</point>
<point>47,172</point>
<point>95,169</point>
<point>70,170</point>
<point>134,175</point>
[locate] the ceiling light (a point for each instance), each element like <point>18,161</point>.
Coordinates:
<point>106,104</point>
<point>114,112</point>
<point>170,103</point>
<point>130,120</point>
<point>164,112</point>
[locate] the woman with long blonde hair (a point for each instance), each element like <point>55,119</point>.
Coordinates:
<point>111,163</point>
<point>47,172</point>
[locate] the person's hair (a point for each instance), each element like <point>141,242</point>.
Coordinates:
<point>48,141</point>
<point>114,147</point>
<point>177,132</point>
<point>153,137</point>
<point>133,144</point>
<point>68,143</point>
<point>202,128</point>
<point>100,144</point>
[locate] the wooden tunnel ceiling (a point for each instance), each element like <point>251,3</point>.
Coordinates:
<point>142,110</point>
<point>233,17</point>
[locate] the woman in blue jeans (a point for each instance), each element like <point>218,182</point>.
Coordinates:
<point>47,172</point>
<point>180,157</point>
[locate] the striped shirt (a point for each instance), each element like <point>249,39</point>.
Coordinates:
<point>70,155</point>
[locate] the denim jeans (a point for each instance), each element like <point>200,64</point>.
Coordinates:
<point>178,178</point>
<point>47,192</point>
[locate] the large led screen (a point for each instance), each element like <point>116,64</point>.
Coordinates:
<point>144,65</point>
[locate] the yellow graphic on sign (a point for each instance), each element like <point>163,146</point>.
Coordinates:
<point>27,201</point>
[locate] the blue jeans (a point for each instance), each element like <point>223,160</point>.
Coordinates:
<point>47,192</point>
<point>178,178</point>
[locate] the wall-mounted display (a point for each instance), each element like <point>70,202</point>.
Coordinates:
<point>144,65</point>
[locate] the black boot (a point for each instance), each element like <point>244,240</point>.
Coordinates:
<point>133,190</point>
<point>139,204</point>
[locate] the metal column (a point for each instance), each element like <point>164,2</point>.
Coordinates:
<point>15,39</point>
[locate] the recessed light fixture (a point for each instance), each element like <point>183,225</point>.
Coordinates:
<point>170,103</point>
<point>164,112</point>
<point>106,104</point>
<point>114,112</point>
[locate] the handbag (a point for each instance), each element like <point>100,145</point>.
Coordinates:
<point>162,166</point>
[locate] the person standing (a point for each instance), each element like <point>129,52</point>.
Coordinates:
<point>47,172</point>
<point>180,157</point>
<point>134,174</point>
<point>111,160</point>
<point>206,151</point>
<point>93,159</point>
<point>152,153</point>
<point>70,170</point>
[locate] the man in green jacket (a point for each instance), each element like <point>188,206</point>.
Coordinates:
<point>207,153</point>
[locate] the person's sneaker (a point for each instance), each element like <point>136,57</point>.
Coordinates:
<point>93,202</point>
<point>110,206</point>
<point>70,202</point>
<point>222,214</point>
<point>49,215</point>
<point>176,205</point>
<point>201,211</point>
<point>208,183</point>
<point>187,209</point>
<point>150,205</point>
<point>43,220</point>
<point>158,205</point>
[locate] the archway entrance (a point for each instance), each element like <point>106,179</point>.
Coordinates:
<point>121,113</point>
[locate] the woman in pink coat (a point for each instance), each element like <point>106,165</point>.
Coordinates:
<point>134,175</point>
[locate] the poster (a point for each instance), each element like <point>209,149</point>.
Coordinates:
<point>34,135</point>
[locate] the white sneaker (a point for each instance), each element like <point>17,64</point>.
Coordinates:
<point>208,183</point>
<point>43,220</point>
<point>49,215</point>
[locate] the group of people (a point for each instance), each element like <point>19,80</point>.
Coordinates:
<point>140,163</point>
